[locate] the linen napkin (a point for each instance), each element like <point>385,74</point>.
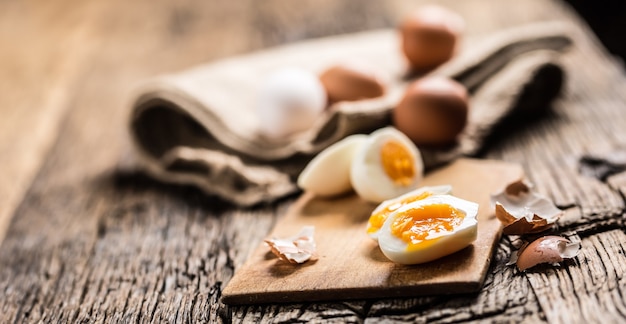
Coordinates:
<point>199,126</point>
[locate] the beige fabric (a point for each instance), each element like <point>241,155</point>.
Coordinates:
<point>199,126</point>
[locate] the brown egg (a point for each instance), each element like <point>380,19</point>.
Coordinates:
<point>547,249</point>
<point>430,36</point>
<point>433,111</point>
<point>349,82</point>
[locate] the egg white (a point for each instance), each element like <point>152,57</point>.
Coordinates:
<point>434,190</point>
<point>441,243</point>
<point>328,173</point>
<point>367,175</point>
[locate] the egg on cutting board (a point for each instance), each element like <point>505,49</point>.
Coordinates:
<point>387,165</point>
<point>380,214</point>
<point>428,229</point>
<point>379,166</point>
<point>328,173</point>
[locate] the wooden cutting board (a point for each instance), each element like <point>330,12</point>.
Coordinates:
<point>351,266</point>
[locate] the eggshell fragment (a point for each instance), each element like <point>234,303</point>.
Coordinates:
<point>289,101</point>
<point>352,81</point>
<point>433,111</point>
<point>387,165</point>
<point>523,211</point>
<point>430,36</point>
<point>328,173</point>
<point>297,249</point>
<point>547,249</point>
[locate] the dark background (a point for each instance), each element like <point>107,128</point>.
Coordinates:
<point>608,20</point>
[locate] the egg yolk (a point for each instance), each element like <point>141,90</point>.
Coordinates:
<point>376,220</point>
<point>415,225</point>
<point>397,162</point>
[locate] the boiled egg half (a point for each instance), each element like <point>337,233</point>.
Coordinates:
<point>380,214</point>
<point>328,173</point>
<point>379,166</point>
<point>387,165</point>
<point>428,229</point>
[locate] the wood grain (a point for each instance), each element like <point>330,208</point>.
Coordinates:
<point>590,287</point>
<point>91,240</point>
<point>39,66</point>
<point>350,265</point>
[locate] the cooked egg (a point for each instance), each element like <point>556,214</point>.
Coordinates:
<point>328,173</point>
<point>352,81</point>
<point>428,229</point>
<point>387,165</point>
<point>433,111</point>
<point>430,36</point>
<point>290,101</point>
<point>380,214</point>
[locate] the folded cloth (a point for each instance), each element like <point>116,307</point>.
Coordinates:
<point>200,127</point>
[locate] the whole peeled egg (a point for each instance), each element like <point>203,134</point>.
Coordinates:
<point>430,36</point>
<point>352,81</point>
<point>290,100</point>
<point>385,166</point>
<point>433,111</point>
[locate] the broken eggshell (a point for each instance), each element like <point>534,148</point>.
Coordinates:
<point>297,249</point>
<point>523,211</point>
<point>548,249</point>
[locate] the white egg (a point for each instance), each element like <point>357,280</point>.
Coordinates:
<point>380,214</point>
<point>289,101</point>
<point>386,166</point>
<point>328,173</point>
<point>428,229</point>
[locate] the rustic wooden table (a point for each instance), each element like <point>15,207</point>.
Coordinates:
<point>90,239</point>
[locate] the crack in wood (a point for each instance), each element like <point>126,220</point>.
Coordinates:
<point>91,244</point>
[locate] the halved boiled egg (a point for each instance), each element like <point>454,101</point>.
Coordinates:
<point>387,165</point>
<point>328,173</point>
<point>380,214</point>
<point>428,229</point>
